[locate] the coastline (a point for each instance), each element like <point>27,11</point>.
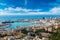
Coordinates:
<point>41,26</point>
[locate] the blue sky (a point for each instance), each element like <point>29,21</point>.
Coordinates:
<point>29,7</point>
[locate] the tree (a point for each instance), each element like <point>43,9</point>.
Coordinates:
<point>55,35</point>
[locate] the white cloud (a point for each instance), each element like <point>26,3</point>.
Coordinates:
<point>5,13</point>
<point>20,9</point>
<point>55,10</point>
<point>11,11</point>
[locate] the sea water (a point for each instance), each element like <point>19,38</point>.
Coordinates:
<point>21,17</point>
